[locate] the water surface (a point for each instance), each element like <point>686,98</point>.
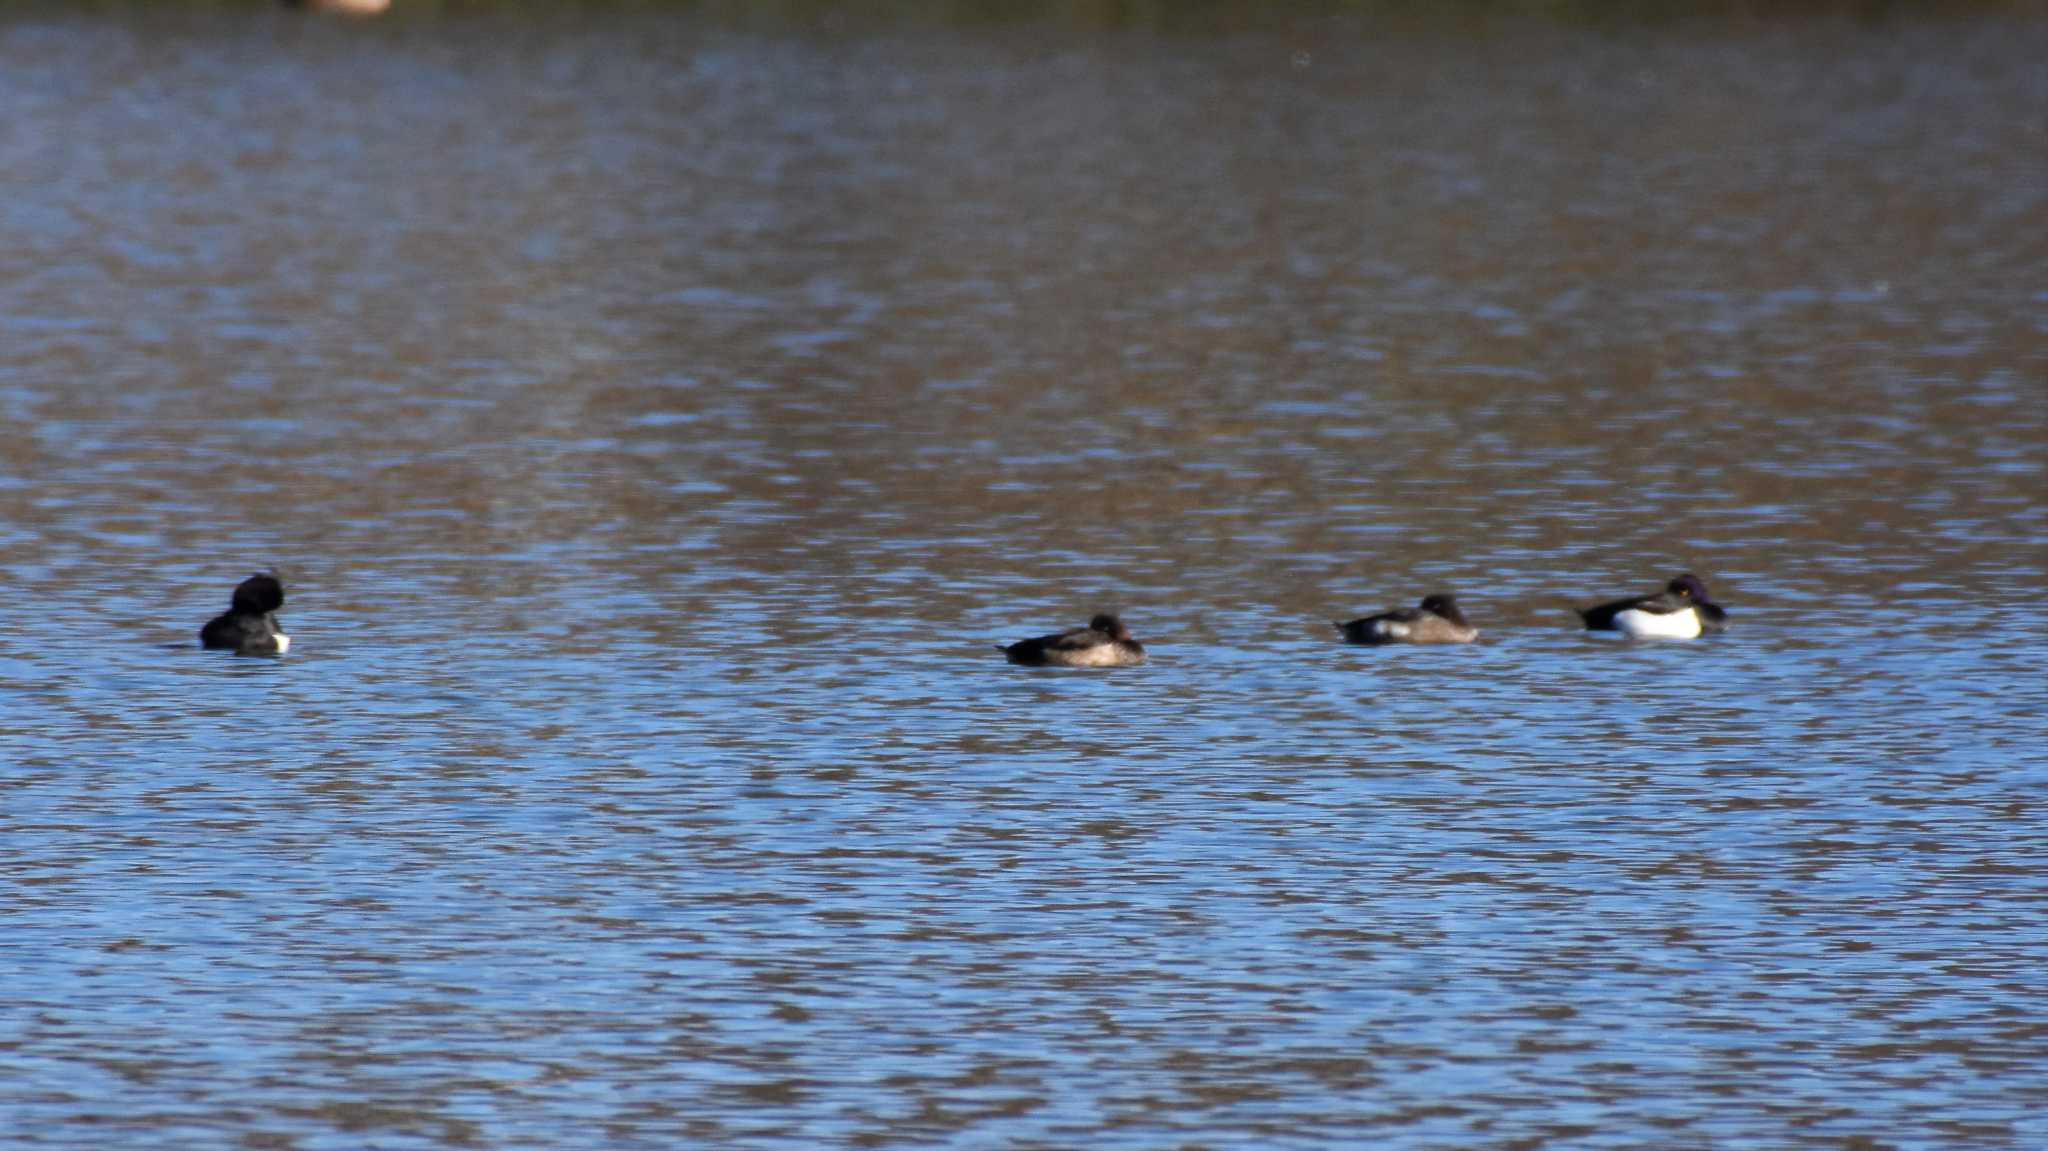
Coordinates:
<point>659,422</point>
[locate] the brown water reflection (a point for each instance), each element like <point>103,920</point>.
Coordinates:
<point>659,422</point>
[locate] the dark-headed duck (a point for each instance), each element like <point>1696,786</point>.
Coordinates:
<point>249,626</point>
<point>1681,611</point>
<point>1105,642</point>
<point>1437,620</point>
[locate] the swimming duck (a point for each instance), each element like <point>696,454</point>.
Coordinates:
<point>249,626</point>
<point>1681,611</point>
<point>1437,620</point>
<point>1105,642</point>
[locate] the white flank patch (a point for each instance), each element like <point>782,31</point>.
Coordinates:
<point>1388,629</point>
<point>284,643</point>
<point>1638,624</point>
<point>1101,655</point>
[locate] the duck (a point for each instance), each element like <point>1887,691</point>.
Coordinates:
<point>1105,642</point>
<point>1436,620</point>
<point>249,626</point>
<point>1682,610</point>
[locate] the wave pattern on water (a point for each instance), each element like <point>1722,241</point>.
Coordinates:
<point>660,426</point>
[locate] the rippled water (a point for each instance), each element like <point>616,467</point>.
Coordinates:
<point>659,423</point>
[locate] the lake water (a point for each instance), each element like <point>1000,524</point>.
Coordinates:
<point>660,418</point>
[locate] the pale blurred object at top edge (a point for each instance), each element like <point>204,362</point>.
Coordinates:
<point>342,7</point>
